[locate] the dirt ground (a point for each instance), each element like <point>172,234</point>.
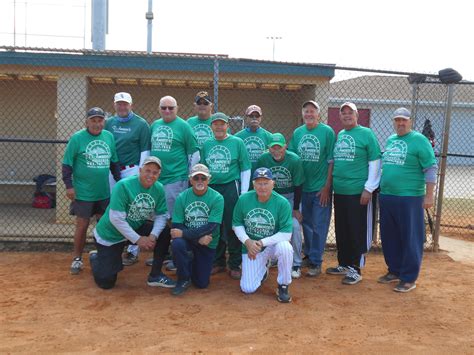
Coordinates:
<point>44,309</point>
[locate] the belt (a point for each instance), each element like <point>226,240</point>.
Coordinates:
<point>127,167</point>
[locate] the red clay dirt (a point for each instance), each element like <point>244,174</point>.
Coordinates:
<point>44,309</point>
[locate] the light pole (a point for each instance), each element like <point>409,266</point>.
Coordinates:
<point>273,38</point>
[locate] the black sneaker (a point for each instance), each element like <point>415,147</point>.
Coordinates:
<point>338,270</point>
<point>129,259</point>
<point>352,277</point>
<point>405,287</point>
<point>283,295</point>
<point>181,287</point>
<point>313,270</point>
<point>388,278</point>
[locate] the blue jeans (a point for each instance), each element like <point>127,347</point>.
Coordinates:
<point>316,220</point>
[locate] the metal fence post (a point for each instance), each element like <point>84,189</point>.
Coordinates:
<point>442,170</point>
<point>216,84</point>
<point>414,102</point>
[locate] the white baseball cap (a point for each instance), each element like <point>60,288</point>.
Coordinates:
<point>351,105</point>
<point>123,96</point>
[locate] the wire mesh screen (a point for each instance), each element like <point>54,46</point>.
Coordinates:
<point>45,96</point>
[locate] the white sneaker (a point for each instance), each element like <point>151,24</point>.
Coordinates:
<point>296,272</point>
<point>76,266</point>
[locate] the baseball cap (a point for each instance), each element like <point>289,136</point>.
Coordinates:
<point>95,112</point>
<point>123,96</point>
<point>220,116</point>
<point>253,108</point>
<point>152,159</point>
<point>402,112</point>
<point>312,102</point>
<point>199,169</point>
<point>277,139</point>
<point>203,95</point>
<point>264,173</point>
<point>351,105</point>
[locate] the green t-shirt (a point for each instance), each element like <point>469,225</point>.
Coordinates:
<point>403,162</point>
<point>131,138</point>
<point>226,159</point>
<point>140,205</point>
<point>172,142</point>
<point>90,157</point>
<point>256,143</point>
<point>196,211</point>
<point>352,152</point>
<point>262,220</point>
<point>287,173</point>
<point>201,128</point>
<point>315,149</point>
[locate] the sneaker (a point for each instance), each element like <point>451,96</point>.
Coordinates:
<point>338,270</point>
<point>283,295</point>
<point>76,266</point>
<point>314,270</point>
<point>217,269</point>
<point>305,262</point>
<point>352,277</point>
<point>388,278</point>
<point>149,262</point>
<point>404,287</point>
<point>235,274</point>
<point>170,266</point>
<point>161,281</point>
<point>181,287</point>
<point>129,259</point>
<point>296,272</point>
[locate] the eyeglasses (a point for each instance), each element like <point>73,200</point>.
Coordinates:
<point>169,108</point>
<point>200,103</point>
<point>200,178</point>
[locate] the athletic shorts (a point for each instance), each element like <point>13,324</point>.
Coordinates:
<point>87,209</point>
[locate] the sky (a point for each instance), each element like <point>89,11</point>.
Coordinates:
<point>415,35</point>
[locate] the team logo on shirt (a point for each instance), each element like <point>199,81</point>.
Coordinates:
<point>255,147</point>
<point>218,159</point>
<point>309,148</point>
<point>282,177</point>
<point>345,148</point>
<point>396,153</point>
<point>260,223</point>
<point>98,155</point>
<point>121,130</point>
<point>162,139</point>
<point>202,132</point>
<point>196,214</point>
<point>142,208</point>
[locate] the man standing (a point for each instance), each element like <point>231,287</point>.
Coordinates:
<point>288,176</point>
<point>314,144</point>
<point>262,222</point>
<point>90,154</point>
<point>229,166</point>
<point>408,179</point>
<point>197,217</point>
<point>132,139</point>
<point>134,201</point>
<point>356,175</point>
<point>255,138</point>
<point>173,141</point>
<point>201,123</point>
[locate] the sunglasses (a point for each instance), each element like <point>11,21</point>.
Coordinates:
<point>201,103</point>
<point>169,108</point>
<point>199,178</point>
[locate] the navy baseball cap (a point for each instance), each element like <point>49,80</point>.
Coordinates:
<point>203,95</point>
<point>264,173</point>
<point>95,112</point>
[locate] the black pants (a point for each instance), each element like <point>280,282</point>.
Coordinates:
<point>108,262</point>
<point>354,225</point>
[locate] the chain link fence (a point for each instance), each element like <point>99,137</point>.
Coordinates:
<point>45,93</point>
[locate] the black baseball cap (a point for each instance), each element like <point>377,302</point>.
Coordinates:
<point>95,112</point>
<point>203,95</point>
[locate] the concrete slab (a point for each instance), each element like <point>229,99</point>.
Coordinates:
<point>458,250</point>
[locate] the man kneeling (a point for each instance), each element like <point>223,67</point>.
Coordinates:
<point>133,202</point>
<point>197,216</point>
<point>263,223</point>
